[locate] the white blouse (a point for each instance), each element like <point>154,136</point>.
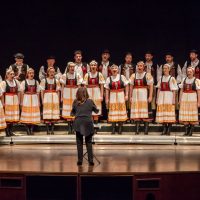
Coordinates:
<point>49,81</point>
<point>101,78</point>
<point>115,79</point>
<point>30,82</point>
<point>71,76</point>
<point>137,75</point>
<point>190,81</point>
<point>172,83</point>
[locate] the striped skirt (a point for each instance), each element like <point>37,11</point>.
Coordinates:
<point>95,95</point>
<point>165,112</point>
<point>188,111</point>
<point>69,95</point>
<point>117,106</point>
<point>139,105</point>
<point>11,107</point>
<point>2,117</point>
<point>30,109</point>
<point>51,106</point>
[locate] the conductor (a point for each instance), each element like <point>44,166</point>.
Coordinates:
<point>83,124</point>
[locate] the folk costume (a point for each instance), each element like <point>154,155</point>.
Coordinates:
<point>70,83</point>
<point>30,114</point>
<point>116,87</point>
<point>11,90</point>
<point>165,113</point>
<point>94,82</point>
<point>139,94</point>
<point>50,88</point>
<point>189,97</point>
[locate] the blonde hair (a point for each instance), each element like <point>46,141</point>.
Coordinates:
<point>190,68</point>
<point>140,62</point>
<point>167,66</point>
<point>70,64</point>
<point>93,62</point>
<point>8,72</point>
<point>49,69</point>
<point>29,70</point>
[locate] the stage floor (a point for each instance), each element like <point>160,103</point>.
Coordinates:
<point>122,159</point>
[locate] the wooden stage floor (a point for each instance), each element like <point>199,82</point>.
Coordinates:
<point>122,159</point>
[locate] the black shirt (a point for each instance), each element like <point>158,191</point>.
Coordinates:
<point>83,122</point>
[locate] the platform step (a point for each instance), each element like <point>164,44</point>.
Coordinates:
<point>103,139</point>
<point>105,127</point>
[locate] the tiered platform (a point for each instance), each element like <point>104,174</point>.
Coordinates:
<point>104,136</point>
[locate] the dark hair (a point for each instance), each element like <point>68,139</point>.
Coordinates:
<point>82,95</point>
<point>128,53</point>
<point>149,52</point>
<point>77,52</point>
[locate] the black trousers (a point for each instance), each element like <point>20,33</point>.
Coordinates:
<point>88,142</point>
<point>104,115</point>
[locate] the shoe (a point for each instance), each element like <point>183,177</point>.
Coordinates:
<point>191,130</point>
<point>12,134</point>
<point>52,129</point>
<point>79,163</point>
<point>31,130</point>
<point>169,129</point>
<point>91,163</point>
<point>113,128</point>
<point>137,124</point>
<point>164,129</point>
<point>7,132</point>
<point>69,128</point>
<point>186,130</point>
<point>120,128</point>
<point>47,127</point>
<point>146,128</point>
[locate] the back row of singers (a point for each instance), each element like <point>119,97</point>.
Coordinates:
<point>126,69</point>
<point>118,97</point>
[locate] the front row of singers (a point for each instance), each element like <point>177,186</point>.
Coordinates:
<point>21,102</point>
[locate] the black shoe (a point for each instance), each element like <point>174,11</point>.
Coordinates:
<point>186,130</point>
<point>47,127</point>
<point>10,130</point>
<point>137,124</point>
<point>120,128</point>
<point>11,133</point>
<point>146,128</point>
<point>113,128</point>
<point>91,163</point>
<point>7,132</point>
<point>191,130</point>
<point>169,129</point>
<point>69,128</point>
<point>31,130</point>
<point>52,129</point>
<point>79,163</point>
<point>28,130</point>
<point>164,129</point>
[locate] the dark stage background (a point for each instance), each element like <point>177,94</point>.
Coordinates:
<point>60,27</point>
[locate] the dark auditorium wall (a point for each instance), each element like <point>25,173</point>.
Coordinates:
<point>60,27</point>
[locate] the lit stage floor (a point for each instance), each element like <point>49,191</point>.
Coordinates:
<point>115,159</point>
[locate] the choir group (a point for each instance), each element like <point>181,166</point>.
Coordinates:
<point>141,93</point>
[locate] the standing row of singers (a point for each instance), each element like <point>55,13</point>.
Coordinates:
<point>118,96</point>
<point>127,68</point>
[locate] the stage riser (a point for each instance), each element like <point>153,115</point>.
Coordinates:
<point>103,139</point>
<point>108,128</point>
